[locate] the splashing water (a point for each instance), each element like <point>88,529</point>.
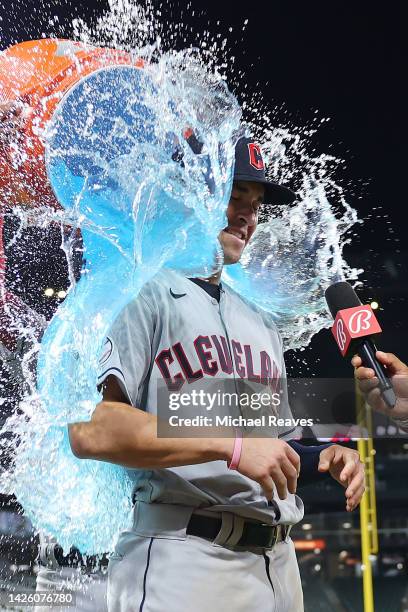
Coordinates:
<point>110,154</point>
<point>291,260</point>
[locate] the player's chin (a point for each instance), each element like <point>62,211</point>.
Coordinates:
<point>232,256</point>
<point>232,248</point>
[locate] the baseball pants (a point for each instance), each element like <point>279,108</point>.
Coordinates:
<point>180,574</point>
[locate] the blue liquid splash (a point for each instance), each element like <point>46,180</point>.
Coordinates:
<point>110,149</point>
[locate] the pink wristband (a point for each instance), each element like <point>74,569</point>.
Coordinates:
<point>236,453</point>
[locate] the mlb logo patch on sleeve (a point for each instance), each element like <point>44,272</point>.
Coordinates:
<point>106,351</point>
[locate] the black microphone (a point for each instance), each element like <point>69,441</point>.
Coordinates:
<point>354,326</point>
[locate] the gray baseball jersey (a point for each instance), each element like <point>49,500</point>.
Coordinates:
<point>175,331</point>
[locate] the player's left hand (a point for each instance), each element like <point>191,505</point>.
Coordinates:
<point>344,465</point>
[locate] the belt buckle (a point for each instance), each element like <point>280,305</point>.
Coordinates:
<point>274,537</point>
<point>47,557</point>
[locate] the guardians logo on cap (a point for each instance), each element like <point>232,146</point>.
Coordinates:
<point>249,166</point>
<point>255,156</point>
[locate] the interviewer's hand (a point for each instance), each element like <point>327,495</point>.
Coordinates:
<point>344,465</point>
<point>367,382</point>
<point>268,461</point>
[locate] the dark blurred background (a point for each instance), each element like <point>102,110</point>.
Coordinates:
<point>346,61</point>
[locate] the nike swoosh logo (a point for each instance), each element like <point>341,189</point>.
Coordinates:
<point>177,295</point>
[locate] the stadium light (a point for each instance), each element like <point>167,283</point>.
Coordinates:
<point>374,305</point>
<point>49,292</point>
<point>61,294</point>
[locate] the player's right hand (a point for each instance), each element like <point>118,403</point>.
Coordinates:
<point>368,384</point>
<point>269,461</point>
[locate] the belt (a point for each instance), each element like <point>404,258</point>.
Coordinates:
<point>253,534</point>
<point>51,556</point>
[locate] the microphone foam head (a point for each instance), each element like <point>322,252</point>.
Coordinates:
<point>339,296</point>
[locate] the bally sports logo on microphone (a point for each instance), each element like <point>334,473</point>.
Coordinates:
<point>353,323</point>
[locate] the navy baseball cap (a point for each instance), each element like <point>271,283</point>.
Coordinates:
<point>249,166</point>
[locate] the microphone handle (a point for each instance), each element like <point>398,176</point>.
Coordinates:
<point>367,352</point>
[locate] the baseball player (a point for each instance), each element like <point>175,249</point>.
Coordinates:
<point>211,516</point>
<point>83,575</point>
<point>86,576</point>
